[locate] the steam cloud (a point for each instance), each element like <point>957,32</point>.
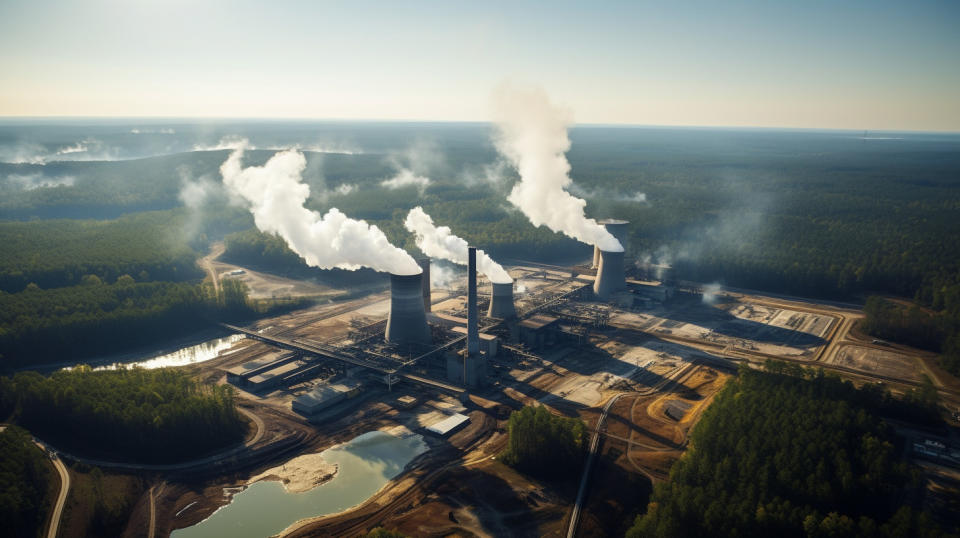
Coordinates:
<point>276,195</point>
<point>532,135</point>
<point>439,242</point>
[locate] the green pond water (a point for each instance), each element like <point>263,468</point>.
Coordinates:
<point>366,463</point>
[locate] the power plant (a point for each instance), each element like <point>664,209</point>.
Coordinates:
<point>451,346</point>
<point>501,301</point>
<point>407,320</point>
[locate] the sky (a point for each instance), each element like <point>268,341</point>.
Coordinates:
<point>878,65</point>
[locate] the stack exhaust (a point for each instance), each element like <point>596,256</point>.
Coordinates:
<point>407,321</point>
<point>473,333</point>
<point>610,275</point>
<point>424,264</point>
<point>501,302</point>
<point>618,229</point>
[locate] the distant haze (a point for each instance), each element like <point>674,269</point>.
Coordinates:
<point>858,64</point>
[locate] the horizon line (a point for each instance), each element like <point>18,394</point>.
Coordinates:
<point>53,117</point>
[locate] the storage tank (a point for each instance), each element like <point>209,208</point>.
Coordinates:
<point>407,321</point>
<point>501,302</point>
<point>610,275</point>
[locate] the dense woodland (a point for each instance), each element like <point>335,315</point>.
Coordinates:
<point>160,415</point>
<point>25,475</point>
<point>62,325</point>
<point>540,442</point>
<point>59,253</point>
<point>781,455</point>
<point>822,214</point>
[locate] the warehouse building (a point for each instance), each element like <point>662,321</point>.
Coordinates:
<point>325,395</point>
<point>449,425</point>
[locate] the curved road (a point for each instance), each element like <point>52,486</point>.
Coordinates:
<point>176,466</point>
<point>61,498</point>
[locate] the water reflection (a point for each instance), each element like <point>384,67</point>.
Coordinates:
<point>201,352</point>
<point>366,463</point>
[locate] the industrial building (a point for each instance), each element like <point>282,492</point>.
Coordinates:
<point>325,395</point>
<point>241,375</point>
<point>449,425</point>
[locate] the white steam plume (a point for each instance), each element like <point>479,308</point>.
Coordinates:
<point>439,242</point>
<point>532,135</point>
<point>276,195</point>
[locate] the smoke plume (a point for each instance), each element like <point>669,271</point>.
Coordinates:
<point>439,242</point>
<point>276,195</point>
<point>532,135</point>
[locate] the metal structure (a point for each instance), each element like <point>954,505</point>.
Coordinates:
<point>407,321</point>
<point>610,276</point>
<point>501,301</point>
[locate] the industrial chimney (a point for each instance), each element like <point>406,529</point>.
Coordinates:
<point>610,276</point>
<point>617,228</point>
<point>424,264</point>
<point>501,302</point>
<point>407,321</point>
<point>473,333</point>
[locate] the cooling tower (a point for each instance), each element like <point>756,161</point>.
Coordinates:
<point>501,302</point>
<point>610,276</point>
<point>424,264</point>
<point>473,333</point>
<point>617,228</point>
<point>407,321</point>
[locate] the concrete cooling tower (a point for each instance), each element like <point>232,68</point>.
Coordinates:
<point>617,228</point>
<point>610,276</point>
<point>501,302</point>
<point>407,321</point>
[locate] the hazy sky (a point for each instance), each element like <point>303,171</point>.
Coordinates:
<point>846,64</point>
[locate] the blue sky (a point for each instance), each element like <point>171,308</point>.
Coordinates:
<point>850,64</point>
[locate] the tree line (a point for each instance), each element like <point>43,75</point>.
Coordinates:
<point>24,480</point>
<point>781,455</point>
<point>160,415</point>
<point>66,324</point>
<point>541,442</point>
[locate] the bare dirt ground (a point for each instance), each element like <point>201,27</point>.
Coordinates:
<point>261,285</point>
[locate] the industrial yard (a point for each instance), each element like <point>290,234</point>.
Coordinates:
<point>316,378</point>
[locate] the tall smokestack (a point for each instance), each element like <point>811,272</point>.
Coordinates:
<point>610,276</point>
<point>425,279</point>
<point>501,302</point>
<point>407,321</point>
<point>473,336</point>
<point>617,228</point>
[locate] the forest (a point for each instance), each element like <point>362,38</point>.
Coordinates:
<point>25,474</point>
<point>780,455</point>
<point>156,416</point>
<point>67,324</point>
<point>541,442</point>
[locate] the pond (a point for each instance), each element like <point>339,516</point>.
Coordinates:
<point>366,464</point>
